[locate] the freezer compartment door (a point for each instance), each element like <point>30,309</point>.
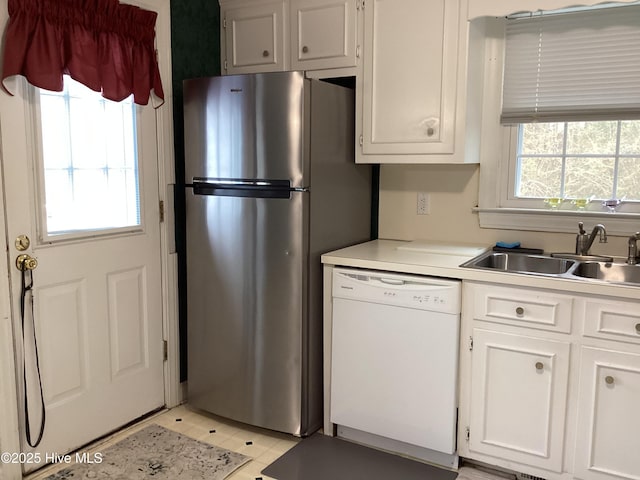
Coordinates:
<point>247,270</point>
<point>245,126</point>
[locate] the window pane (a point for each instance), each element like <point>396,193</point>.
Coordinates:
<point>90,165</point>
<point>629,178</point>
<point>542,138</point>
<point>630,138</point>
<point>539,177</point>
<point>585,177</point>
<point>592,137</point>
<point>59,194</point>
<point>88,140</point>
<point>56,136</point>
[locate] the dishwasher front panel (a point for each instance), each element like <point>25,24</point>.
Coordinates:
<point>394,368</point>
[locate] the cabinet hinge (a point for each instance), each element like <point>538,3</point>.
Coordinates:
<point>470,343</point>
<point>358,51</point>
<point>225,64</point>
<point>361,140</point>
<point>161,208</point>
<point>165,350</point>
<point>224,23</point>
<point>468,434</point>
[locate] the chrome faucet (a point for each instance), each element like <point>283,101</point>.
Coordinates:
<point>632,259</point>
<point>584,241</point>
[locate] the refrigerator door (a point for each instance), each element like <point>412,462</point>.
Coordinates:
<point>247,302</point>
<point>246,127</point>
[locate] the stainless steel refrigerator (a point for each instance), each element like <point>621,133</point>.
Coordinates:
<point>272,184</point>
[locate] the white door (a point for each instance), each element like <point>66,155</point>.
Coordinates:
<point>90,210</point>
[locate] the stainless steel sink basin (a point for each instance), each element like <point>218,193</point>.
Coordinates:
<point>578,268</point>
<point>609,272</point>
<point>522,263</point>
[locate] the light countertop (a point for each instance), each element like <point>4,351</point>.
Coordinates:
<point>444,260</point>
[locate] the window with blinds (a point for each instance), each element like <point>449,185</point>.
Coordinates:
<point>572,90</point>
<point>576,66</point>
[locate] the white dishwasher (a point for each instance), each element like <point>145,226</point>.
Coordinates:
<point>394,358</point>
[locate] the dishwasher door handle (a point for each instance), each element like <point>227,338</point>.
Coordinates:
<point>392,281</point>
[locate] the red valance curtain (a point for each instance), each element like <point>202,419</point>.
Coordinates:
<point>107,46</point>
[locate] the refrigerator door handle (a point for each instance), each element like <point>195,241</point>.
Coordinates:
<point>242,188</point>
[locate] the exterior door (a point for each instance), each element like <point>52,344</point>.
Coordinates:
<point>91,213</point>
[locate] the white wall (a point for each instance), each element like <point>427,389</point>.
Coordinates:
<point>453,193</point>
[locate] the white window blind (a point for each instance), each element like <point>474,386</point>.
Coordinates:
<point>575,66</point>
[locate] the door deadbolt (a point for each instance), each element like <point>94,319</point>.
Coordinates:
<point>22,243</point>
<point>26,262</point>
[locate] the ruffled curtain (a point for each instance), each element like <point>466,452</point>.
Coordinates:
<point>107,46</point>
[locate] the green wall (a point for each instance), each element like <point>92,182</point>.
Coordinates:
<point>195,52</point>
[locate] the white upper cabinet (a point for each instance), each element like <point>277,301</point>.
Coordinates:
<point>254,38</point>
<point>266,36</point>
<point>411,90</point>
<point>323,34</point>
<point>500,8</point>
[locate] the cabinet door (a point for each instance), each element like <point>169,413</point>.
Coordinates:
<point>410,76</point>
<point>323,34</point>
<point>518,398</point>
<point>608,415</point>
<point>254,38</point>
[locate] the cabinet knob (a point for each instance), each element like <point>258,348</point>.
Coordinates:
<point>539,366</point>
<point>519,311</point>
<point>265,53</point>
<point>305,49</point>
<point>638,328</point>
<point>430,131</point>
<point>609,380</point>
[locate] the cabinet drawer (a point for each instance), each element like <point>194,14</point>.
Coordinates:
<point>612,320</point>
<point>522,307</point>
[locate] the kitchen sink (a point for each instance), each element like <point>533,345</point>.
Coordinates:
<point>609,272</point>
<point>577,268</point>
<point>518,262</point>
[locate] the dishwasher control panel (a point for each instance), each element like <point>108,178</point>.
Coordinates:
<point>413,291</point>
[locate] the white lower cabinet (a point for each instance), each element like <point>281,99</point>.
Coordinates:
<point>556,398</point>
<point>518,397</point>
<point>607,444</point>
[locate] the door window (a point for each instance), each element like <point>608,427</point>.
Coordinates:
<point>88,165</point>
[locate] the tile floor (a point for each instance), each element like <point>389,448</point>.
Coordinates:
<point>263,446</point>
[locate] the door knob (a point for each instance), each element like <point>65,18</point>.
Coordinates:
<point>26,262</point>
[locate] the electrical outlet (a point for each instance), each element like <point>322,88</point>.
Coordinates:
<point>423,204</point>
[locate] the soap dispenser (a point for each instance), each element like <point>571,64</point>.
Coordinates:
<point>581,239</point>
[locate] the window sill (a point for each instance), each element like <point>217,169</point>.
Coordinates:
<point>564,221</point>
